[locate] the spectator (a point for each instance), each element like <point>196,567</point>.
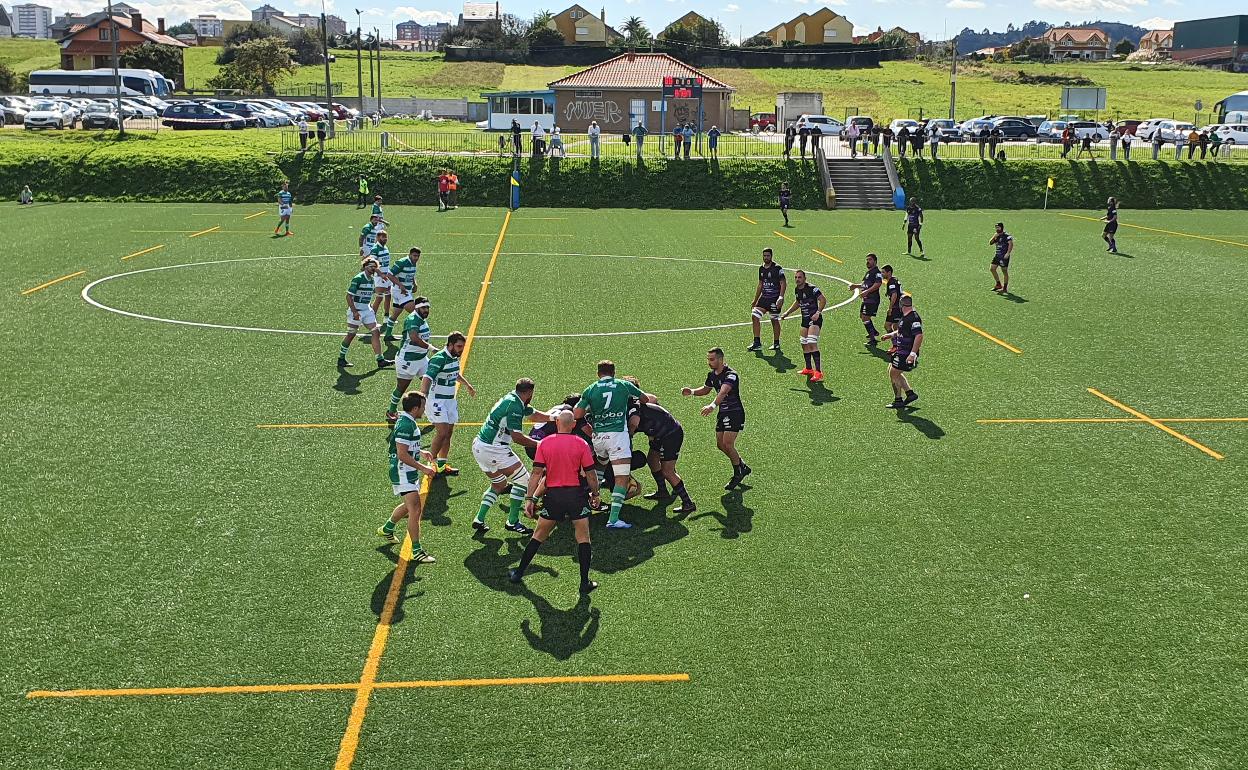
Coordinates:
<point>790,134</point>
<point>1156,144</point>
<point>444,189</point>
<point>26,197</point>
<point>933,138</point>
<point>639,133</point>
<point>452,189</point>
<point>1068,139</point>
<point>678,137</point>
<point>538,140</point>
<point>816,139</point>
<point>1180,139</point>
<point>803,136</point>
<point>1203,140</point>
<point>626,138</point>
<point>303,134</point>
<point>502,145</point>
<point>981,138</point>
<point>556,143</point>
<point>594,133</point>
<point>886,133</point>
<point>712,142</point>
<point>320,132</point>
<point>876,131</point>
<point>689,132</point>
<point>517,146</point>
<point>916,141</point>
<point>1127,138</point>
<point>1215,144</point>
<point>851,133</point>
<point>903,141</point>
<point>995,137</point>
<point>1193,139</point>
<point>1113,142</point>
<point>1085,145</point>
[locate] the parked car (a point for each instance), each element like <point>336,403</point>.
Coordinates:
<point>1036,120</point>
<point>826,125</point>
<point>763,122</point>
<point>71,110</point>
<point>100,116</point>
<point>279,107</point>
<point>1050,131</point>
<point>14,109</point>
<point>864,122</point>
<point>1014,128</point>
<point>201,116</point>
<point>145,111</point>
<point>1128,126</point>
<point>1019,118</point>
<point>970,129</point>
<point>47,114</point>
<point>1170,129</point>
<point>1084,128</point>
<point>901,123</point>
<point>311,111</point>
<point>948,129</point>
<point>341,111</point>
<point>1145,130</point>
<point>1231,133</point>
<point>241,109</point>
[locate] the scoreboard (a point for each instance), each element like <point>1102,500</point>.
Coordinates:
<point>682,88</point>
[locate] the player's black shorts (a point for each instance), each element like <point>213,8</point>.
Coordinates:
<point>870,308</point>
<point>1111,228</point>
<point>895,315</point>
<point>809,321</point>
<point>669,446</point>
<point>730,422</point>
<point>914,229</point>
<point>899,362</point>
<point>1001,261</point>
<point>565,504</point>
<point>769,304</point>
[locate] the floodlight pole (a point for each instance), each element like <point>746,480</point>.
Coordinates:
<point>359,63</point>
<point>329,89</point>
<point>377,38</point>
<point>121,123</point>
<point>953,80</point>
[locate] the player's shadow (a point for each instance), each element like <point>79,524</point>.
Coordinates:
<point>919,258</point>
<point>1012,297</point>
<point>877,351</point>
<point>348,382</point>
<point>616,550</point>
<point>563,632</point>
<point>437,502</point>
<point>736,519</point>
<point>921,424</point>
<point>1122,254</point>
<point>780,362</point>
<point>819,394</point>
<point>381,591</point>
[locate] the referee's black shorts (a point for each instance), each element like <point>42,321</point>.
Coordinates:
<point>565,504</point>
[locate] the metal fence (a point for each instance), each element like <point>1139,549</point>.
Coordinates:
<point>1031,150</point>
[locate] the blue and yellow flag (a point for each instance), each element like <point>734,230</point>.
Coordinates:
<point>515,188</point>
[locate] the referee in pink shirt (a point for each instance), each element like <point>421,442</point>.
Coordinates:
<point>561,461</point>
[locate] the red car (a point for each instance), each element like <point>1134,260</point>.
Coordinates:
<point>1129,126</point>
<point>763,121</point>
<point>340,112</point>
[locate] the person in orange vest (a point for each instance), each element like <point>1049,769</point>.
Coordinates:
<point>444,187</point>
<point>453,189</point>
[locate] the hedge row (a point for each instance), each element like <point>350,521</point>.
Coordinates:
<point>1020,184</point>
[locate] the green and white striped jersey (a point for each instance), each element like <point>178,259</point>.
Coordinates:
<point>606,401</point>
<point>404,271</point>
<point>414,323</point>
<point>382,255</point>
<point>507,415</point>
<point>443,371</point>
<point>370,234</point>
<point>361,289</point>
<point>405,432</point>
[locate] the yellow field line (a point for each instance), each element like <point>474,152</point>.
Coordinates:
<point>1054,420</point>
<point>257,214</point>
<point>485,290</point>
<point>52,282</point>
<point>226,690</point>
<point>829,256</point>
<point>144,251</point>
<point>531,680</point>
<point>985,335</point>
<point>368,678</point>
<point>272,426</point>
<point>1156,424</point>
<point>747,219</point>
<point>782,235</point>
<point>204,232</point>
<point>1167,232</point>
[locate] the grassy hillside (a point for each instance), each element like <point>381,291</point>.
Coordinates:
<point>22,55</point>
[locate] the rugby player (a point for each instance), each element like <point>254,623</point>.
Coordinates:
<point>403,283</point>
<point>892,291</point>
<point>914,223</point>
<point>359,313</point>
<point>439,383</point>
<point>498,461</point>
<point>772,286</point>
<point>870,293</point>
<point>368,235</point>
<point>413,357</point>
<point>405,470</point>
<point>666,436</point>
<point>560,463</point>
<point>812,302</point>
<point>1005,247</point>
<point>907,339</point>
<point>786,200</point>
<point>383,284</point>
<point>1111,226</point>
<point>285,207</point>
<point>606,404</point>
<point>726,385</point>
<point>377,212</point>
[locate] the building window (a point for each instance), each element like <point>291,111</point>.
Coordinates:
<point>582,31</point>
<point>589,94</point>
<point>829,35</point>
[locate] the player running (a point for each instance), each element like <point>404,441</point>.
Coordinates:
<point>907,339</point>
<point>786,200</point>
<point>914,224</point>
<point>383,284</point>
<point>368,235</point>
<point>439,383</point>
<point>498,461</point>
<point>726,385</point>
<point>402,284</point>
<point>413,357</point>
<point>812,302</point>
<point>1111,226</point>
<point>870,293</point>
<point>359,313</point>
<point>405,470</point>
<point>285,207</point>
<point>606,404</point>
<point>772,286</point>
<point>892,292</point>
<point>1005,248</point>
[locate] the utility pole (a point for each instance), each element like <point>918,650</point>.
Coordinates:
<point>372,88</point>
<point>359,63</point>
<point>377,37</point>
<point>121,119</point>
<point>953,79</point>
<point>329,88</point>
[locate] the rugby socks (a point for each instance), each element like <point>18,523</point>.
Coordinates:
<point>758,341</point>
<point>583,555</point>
<point>394,400</point>
<point>807,357</point>
<point>387,326</point>
<point>487,502</point>
<point>617,502</point>
<point>342,352</point>
<point>871,328</point>
<point>530,550</point>
<point>660,481</point>
<point>680,491</point>
<point>388,527</point>
<point>441,464</point>
<point>517,502</point>
<point>818,363</point>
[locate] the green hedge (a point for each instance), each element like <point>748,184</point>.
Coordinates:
<point>1020,184</point>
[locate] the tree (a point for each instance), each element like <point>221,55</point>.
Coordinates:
<point>635,30</point>
<point>258,66</point>
<point>185,28</point>
<point>1125,47</point>
<point>541,33</point>
<point>240,35</point>
<point>306,46</point>
<point>680,34</point>
<point>758,41</point>
<point>8,79</point>
<point>710,33</point>
<point>903,44</point>
<point>165,59</point>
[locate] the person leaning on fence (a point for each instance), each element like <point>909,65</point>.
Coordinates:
<point>1156,144</point>
<point>933,138</point>
<point>1180,139</point>
<point>803,136</point>
<point>321,127</point>
<point>1114,137</point>
<point>1215,144</point>
<point>538,139</point>
<point>517,146</point>
<point>903,142</point>
<point>556,143</point>
<point>916,141</point>
<point>1203,141</point>
<point>1126,143</point>
<point>303,134</point>
<point>1193,140</point>
<point>712,141</point>
<point>994,138</point>
<point>639,134</point>
<point>678,136</point>
<point>595,132</point>
<point>790,135</point>
<point>688,132</point>
<point>1068,139</point>
<point>1085,145</point>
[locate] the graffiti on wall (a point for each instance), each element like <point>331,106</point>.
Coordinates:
<point>606,113</point>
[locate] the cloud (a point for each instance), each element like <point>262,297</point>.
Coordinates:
<point>1118,6</point>
<point>1157,23</point>
<point>964,4</point>
<point>406,12</point>
<point>731,8</point>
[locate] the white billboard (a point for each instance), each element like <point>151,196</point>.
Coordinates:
<point>1074,98</point>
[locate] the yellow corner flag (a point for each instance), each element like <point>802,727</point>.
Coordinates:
<point>1050,183</point>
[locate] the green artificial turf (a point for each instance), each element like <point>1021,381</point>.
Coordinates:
<point>862,604</point>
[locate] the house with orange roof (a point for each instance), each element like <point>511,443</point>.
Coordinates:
<point>89,46</point>
<point>1087,43</point>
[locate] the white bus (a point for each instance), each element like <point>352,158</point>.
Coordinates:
<point>99,81</point>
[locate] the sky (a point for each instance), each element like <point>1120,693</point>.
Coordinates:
<point>934,19</point>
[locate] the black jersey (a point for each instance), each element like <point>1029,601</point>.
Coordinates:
<point>910,327</point>
<point>914,216</point>
<point>808,299</point>
<point>1111,215</point>
<point>786,197</point>
<point>653,420</point>
<point>770,277</point>
<point>1002,240</point>
<point>872,277</point>
<point>893,290</point>
<point>732,401</point>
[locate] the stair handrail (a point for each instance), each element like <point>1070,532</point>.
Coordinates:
<point>829,193</point>
<point>890,168</point>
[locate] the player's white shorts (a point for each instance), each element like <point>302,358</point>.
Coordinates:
<point>615,447</point>
<point>410,370</point>
<point>403,488</point>
<point>366,250</point>
<point>492,458</point>
<point>285,211</point>
<point>443,410</point>
<point>399,295</point>
<point>379,283</point>
<point>367,317</point>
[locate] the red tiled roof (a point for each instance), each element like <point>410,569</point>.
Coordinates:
<point>1077,34</point>
<point>641,70</point>
<point>148,31</point>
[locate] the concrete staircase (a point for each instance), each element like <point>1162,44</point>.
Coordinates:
<point>860,183</point>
